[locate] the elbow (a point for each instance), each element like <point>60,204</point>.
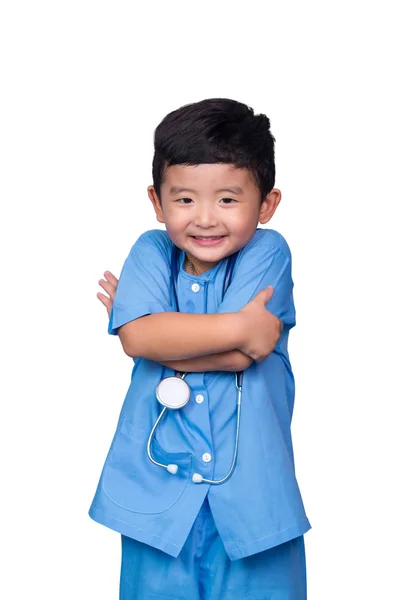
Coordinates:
<point>126,341</point>
<point>134,337</point>
<point>245,363</point>
<point>127,348</point>
<point>241,362</point>
<point>129,351</point>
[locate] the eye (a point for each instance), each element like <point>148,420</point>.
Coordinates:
<point>229,199</point>
<point>225,200</point>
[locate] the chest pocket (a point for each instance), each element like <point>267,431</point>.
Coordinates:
<point>133,482</point>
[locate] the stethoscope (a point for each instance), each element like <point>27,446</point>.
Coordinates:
<point>174,393</point>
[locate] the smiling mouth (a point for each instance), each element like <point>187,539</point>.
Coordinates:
<point>211,237</point>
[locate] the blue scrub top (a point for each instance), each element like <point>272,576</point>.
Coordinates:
<point>260,506</point>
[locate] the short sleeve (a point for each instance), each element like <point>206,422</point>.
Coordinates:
<point>265,260</point>
<point>144,286</point>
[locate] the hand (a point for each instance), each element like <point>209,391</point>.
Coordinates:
<point>261,329</point>
<point>110,286</point>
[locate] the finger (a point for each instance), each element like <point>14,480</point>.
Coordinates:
<point>105,300</point>
<point>108,287</point>
<point>111,278</point>
<point>266,294</point>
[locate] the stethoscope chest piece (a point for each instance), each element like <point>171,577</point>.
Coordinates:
<point>173,392</point>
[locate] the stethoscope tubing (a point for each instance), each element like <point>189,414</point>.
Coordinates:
<point>197,478</point>
<point>239,375</point>
<point>171,468</point>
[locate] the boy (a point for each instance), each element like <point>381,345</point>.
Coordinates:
<point>184,538</point>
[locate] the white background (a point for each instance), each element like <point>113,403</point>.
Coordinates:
<point>84,84</point>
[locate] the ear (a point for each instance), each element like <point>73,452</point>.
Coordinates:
<point>156,203</point>
<point>269,205</point>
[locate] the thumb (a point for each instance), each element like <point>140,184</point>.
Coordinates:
<point>266,294</point>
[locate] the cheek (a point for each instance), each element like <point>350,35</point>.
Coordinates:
<point>177,222</point>
<point>241,223</point>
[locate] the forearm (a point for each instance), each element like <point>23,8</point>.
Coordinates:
<point>233,360</point>
<point>176,336</point>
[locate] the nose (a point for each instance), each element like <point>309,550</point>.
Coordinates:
<point>205,215</point>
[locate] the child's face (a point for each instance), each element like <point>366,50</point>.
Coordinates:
<point>211,200</point>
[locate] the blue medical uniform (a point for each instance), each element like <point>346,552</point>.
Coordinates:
<point>260,506</point>
<point>203,570</point>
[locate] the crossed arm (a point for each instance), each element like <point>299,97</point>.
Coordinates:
<point>202,342</point>
<point>231,360</point>
<point>228,340</point>
<point>181,341</point>
<point>187,342</point>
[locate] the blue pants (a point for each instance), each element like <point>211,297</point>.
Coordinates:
<point>203,570</point>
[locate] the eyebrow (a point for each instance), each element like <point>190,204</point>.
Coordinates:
<point>232,190</point>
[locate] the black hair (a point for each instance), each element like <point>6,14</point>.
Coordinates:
<point>216,130</point>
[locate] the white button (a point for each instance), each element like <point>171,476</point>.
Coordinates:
<point>195,287</point>
<point>199,398</point>
<point>206,457</point>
